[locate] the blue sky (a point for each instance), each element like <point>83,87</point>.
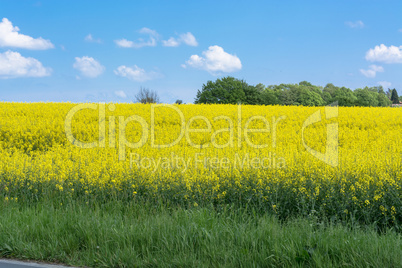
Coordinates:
<point>106,50</point>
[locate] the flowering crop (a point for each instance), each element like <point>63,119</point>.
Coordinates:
<point>261,156</point>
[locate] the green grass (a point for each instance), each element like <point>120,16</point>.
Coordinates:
<point>129,235</point>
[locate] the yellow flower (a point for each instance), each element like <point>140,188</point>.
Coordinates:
<point>220,161</point>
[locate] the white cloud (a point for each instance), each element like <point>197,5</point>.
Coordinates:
<point>171,42</point>
<point>400,30</point>
<point>13,65</point>
<point>146,30</point>
<point>124,43</point>
<point>9,37</point>
<point>355,24</point>
<point>385,84</point>
<point>215,59</point>
<point>120,94</point>
<point>88,66</point>
<point>153,37</point>
<point>189,39</point>
<point>186,38</point>
<point>135,73</point>
<point>372,71</point>
<point>91,39</point>
<point>382,53</point>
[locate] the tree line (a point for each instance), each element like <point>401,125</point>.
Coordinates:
<point>229,90</point>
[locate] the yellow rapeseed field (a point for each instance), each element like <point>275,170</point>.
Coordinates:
<point>283,159</point>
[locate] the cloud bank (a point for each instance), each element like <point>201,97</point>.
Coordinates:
<point>186,38</point>
<point>135,73</point>
<point>214,60</point>
<point>10,37</point>
<point>382,53</point>
<point>385,84</point>
<point>151,42</point>
<point>13,65</point>
<point>372,71</point>
<point>88,66</point>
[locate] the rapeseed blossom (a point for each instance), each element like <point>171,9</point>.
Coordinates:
<point>205,154</point>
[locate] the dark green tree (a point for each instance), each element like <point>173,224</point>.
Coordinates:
<point>311,87</point>
<point>288,94</point>
<point>326,97</point>
<point>344,96</point>
<point>366,97</point>
<point>309,97</point>
<point>228,90</point>
<point>383,100</point>
<point>268,97</point>
<point>252,95</point>
<point>394,96</point>
<point>232,90</point>
<point>260,87</point>
<point>389,93</point>
<point>330,88</point>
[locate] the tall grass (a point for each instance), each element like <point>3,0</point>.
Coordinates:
<point>118,234</point>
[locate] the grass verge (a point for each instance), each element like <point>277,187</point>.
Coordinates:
<point>129,235</point>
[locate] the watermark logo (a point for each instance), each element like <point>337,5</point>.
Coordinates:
<point>331,155</point>
<point>239,129</point>
<point>148,131</point>
<point>179,162</point>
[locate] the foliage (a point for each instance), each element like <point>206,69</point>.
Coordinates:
<point>342,95</point>
<point>366,97</point>
<point>230,90</point>
<point>268,97</point>
<point>309,97</point>
<point>394,96</point>
<point>383,100</point>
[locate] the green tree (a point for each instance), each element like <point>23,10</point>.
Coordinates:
<point>326,97</point>
<point>383,100</point>
<point>260,87</point>
<point>268,97</point>
<point>366,97</point>
<point>389,93</point>
<point>288,94</point>
<point>394,96</point>
<point>344,96</point>
<point>330,88</point>
<point>309,97</point>
<point>228,90</point>
<point>311,87</point>
<point>253,96</point>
